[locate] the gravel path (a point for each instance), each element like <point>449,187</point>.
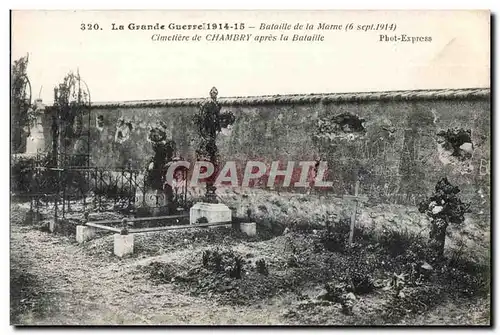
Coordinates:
<point>81,289</point>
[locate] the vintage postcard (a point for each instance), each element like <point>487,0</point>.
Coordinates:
<point>250,168</point>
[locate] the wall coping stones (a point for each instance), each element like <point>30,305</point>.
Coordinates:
<point>437,94</point>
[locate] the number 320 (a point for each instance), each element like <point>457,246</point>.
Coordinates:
<point>89,26</point>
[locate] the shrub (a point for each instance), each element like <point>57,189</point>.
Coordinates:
<point>213,260</point>
<point>336,238</point>
<point>464,277</point>
<point>412,301</point>
<point>337,292</point>
<point>334,291</point>
<point>292,261</point>
<point>236,268</point>
<point>26,179</point>
<point>468,284</point>
<point>21,174</point>
<point>403,242</point>
<point>355,269</point>
<point>395,242</point>
<point>161,272</point>
<point>206,258</point>
<point>360,273</point>
<point>361,280</point>
<point>262,267</point>
<point>223,261</point>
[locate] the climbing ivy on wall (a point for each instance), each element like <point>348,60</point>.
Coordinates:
<point>20,104</point>
<point>71,100</point>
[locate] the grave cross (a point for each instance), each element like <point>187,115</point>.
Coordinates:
<point>210,122</point>
<point>357,198</point>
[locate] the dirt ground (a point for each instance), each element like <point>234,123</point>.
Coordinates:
<point>55,281</point>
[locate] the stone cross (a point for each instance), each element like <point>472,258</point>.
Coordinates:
<point>356,198</point>
<point>210,122</point>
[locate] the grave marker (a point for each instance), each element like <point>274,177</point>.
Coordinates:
<point>356,198</point>
<point>210,122</point>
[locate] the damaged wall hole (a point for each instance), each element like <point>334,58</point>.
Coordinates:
<point>345,125</point>
<point>349,123</point>
<point>123,130</point>
<point>458,142</point>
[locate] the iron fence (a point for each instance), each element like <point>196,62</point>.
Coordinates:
<point>85,188</point>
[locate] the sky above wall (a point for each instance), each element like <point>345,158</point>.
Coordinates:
<point>128,65</point>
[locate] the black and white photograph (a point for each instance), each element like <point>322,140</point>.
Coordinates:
<point>250,168</point>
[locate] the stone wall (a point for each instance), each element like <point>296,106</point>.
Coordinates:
<point>396,149</point>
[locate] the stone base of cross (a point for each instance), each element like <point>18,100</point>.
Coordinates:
<point>356,199</point>
<point>203,212</point>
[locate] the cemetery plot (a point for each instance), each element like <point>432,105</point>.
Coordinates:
<point>291,272</point>
<point>114,245</point>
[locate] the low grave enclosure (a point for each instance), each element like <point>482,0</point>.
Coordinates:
<point>124,236</point>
